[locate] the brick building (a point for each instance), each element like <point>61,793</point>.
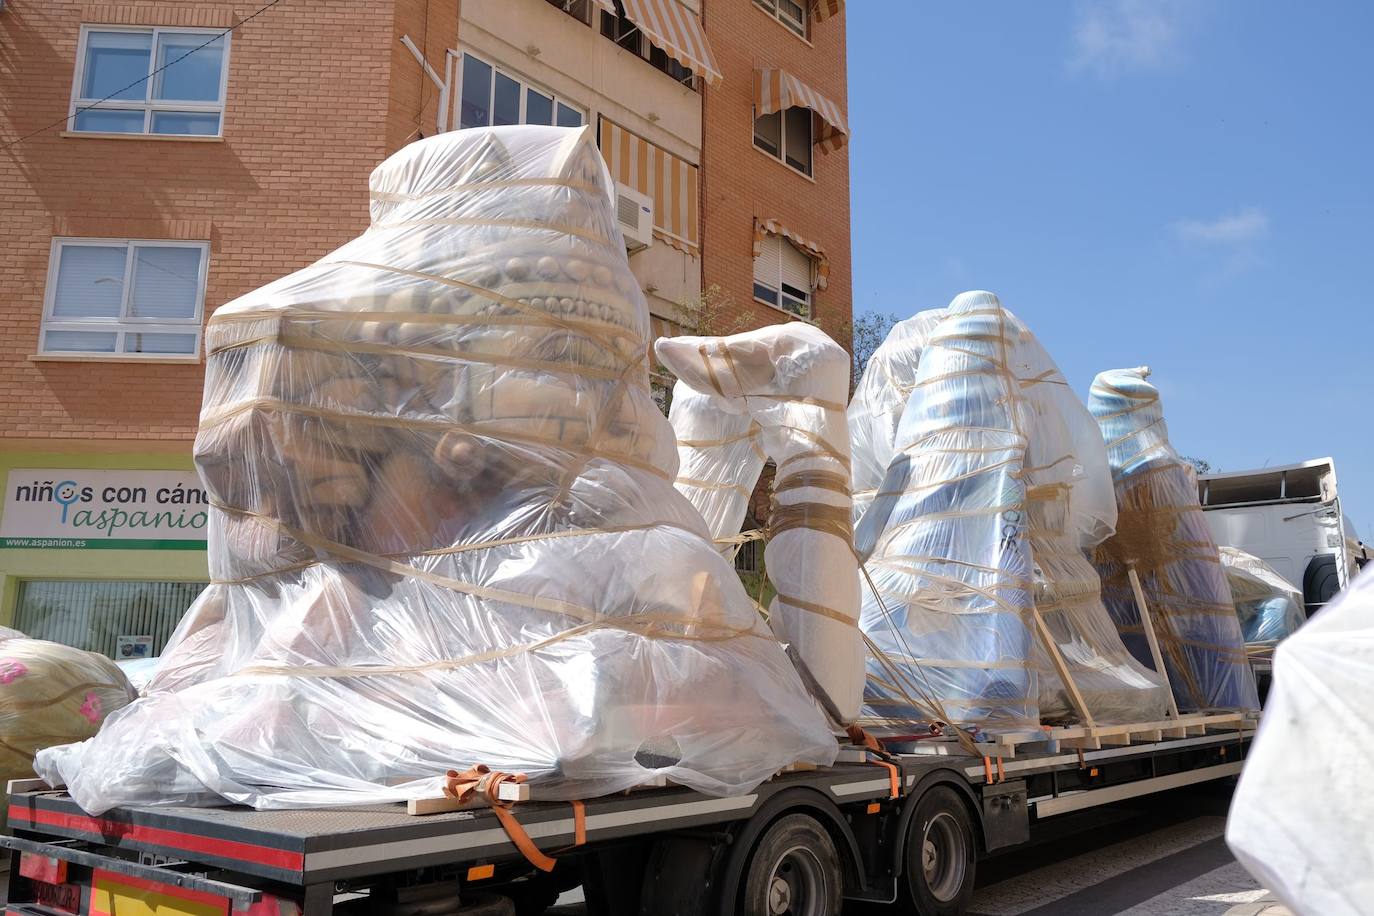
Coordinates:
<point>234,147</point>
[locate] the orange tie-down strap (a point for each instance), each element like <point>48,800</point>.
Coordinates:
<point>485,782</point>
<point>871,744</point>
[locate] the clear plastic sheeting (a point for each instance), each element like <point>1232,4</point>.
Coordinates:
<point>1299,818</point>
<point>1162,533</point>
<point>1269,608</point>
<point>719,460</point>
<point>51,694</point>
<point>788,382</point>
<point>444,531</point>
<point>974,539</point>
<point>875,410</point>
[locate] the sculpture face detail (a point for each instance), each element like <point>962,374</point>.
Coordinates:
<point>995,483</point>
<point>785,386</point>
<point>1163,535</point>
<point>445,531</point>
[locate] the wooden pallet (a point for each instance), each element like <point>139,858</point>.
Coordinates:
<point>1096,737</point>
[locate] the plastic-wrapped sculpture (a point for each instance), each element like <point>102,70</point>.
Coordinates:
<point>1269,608</point>
<point>719,459</point>
<point>51,694</point>
<point>1161,532</point>
<point>1296,822</point>
<point>789,381</point>
<point>998,480</point>
<point>444,527</point>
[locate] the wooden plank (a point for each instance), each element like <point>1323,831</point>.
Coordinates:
<point>1149,734</point>
<point>1086,744</point>
<point>1079,705</point>
<point>1121,740</point>
<point>507,792</point>
<point>1150,637</point>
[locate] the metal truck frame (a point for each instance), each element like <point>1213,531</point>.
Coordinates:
<point>902,830</point>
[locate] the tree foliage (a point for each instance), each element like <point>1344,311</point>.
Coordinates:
<point>867,332</point>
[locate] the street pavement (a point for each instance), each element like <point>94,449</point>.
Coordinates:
<point>1163,855</point>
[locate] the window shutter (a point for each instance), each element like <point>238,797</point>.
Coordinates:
<point>796,267</point>
<point>766,265</point>
<point>90,281</point>
<point>166,282</point>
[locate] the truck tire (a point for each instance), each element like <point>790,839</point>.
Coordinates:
<point>941,855</point>
<point>1320,582</point>
<point>794,870</point>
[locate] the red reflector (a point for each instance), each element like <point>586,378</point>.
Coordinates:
<point>42,868</point>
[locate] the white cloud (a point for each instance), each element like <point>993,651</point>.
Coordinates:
<point>1113,36</point>
<point>1233,229</point>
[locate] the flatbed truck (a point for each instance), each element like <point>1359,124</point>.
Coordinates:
<point>903,832</point>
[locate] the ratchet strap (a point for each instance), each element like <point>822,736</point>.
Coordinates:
<point>875,749</point>
<point>485,782</point>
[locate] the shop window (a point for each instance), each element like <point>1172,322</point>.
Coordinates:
<point>623,31</point>
<point>788,12</point>
<point>116,618</point>
<point>150,81</point>
<point>122,298</point>
<point>783,276</point>
<point>786,135</point>
<point>491,95</point>
<point>578,9</point>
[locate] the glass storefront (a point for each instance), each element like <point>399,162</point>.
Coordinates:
<point>117,618</point>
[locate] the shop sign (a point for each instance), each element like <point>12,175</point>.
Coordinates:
<point>81,508</point>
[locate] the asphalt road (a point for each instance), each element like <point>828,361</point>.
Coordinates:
<point>1159,856</point>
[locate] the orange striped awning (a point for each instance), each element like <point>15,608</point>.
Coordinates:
<point>775,90</point>
<point>677,30</point>
<point>764,227</point>
<point>670,181</point>
<point>822,10</point>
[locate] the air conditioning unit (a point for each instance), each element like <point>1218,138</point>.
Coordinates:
<point>635,214</point>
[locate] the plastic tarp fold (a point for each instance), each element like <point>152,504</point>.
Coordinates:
<point>973,540</point>
<point>789,382</point>
<point>1269,608</point>
<point>444,530</point>
<point>1299,818</point>
<point>1162,533</point>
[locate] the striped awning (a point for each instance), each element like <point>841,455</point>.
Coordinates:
<point>677,30</point>
<point>822,10</point>
<point>775,90</point>
<point>670,181</point>
<point>764,227</point>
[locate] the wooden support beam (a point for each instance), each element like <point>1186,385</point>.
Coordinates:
<point>506,792</point>
<point>1087,744</point>
<point>1150,636</point>
<point>1079,704</point>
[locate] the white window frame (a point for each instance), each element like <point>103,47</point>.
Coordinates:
<point>774,9</point>
<point>124,324</point>
<point>149,105</point>
<point>782,138</point>
<point>525,86</point>
<point>809,304</point>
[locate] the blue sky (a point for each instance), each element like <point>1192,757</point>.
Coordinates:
<point>1184,184</point>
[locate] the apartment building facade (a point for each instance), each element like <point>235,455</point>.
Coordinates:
<point>166,156</point>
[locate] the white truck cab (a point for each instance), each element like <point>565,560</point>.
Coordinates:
<point>1291,518</point>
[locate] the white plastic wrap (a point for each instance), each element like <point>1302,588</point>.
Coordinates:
<point>1268,607</point>
<point>790,381</point>
<point>51,694</point>
<point>1162,533</point>
<point>1299,819</point>
<point>444,528</point>
<point>719,459</point>
<point>998,480</point>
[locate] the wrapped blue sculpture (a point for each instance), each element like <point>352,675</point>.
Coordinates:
<point>1162,534</point>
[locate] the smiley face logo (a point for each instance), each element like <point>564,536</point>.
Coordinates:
<point>64,494</point>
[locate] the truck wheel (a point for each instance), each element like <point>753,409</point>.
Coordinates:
<point>941,855</point>
<point>794,870</point>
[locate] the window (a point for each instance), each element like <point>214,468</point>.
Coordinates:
<point>491,96</point>
<point>125,298</point>
<point>786,135</point>
<point>782,276</point>
<point>94,615</point>
<point>788,12</point>
<point>159,81</point>
<point>623,31</point>
<point>578,9</point>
